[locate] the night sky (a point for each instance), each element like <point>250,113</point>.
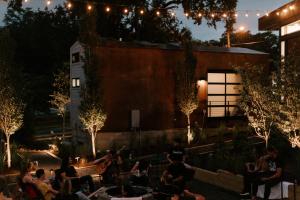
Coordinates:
<point>199,32</point>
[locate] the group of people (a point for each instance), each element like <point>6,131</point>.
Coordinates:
<point>66,184</point>
<point>266,170</point>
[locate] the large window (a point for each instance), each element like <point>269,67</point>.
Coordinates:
<point>290,28</point>
<point>223,93</point>
<point>75,57</point>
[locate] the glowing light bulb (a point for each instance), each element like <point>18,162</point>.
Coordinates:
<point>246,15</point>
<point>69,5</point>
<point>277,13</point>
<point>125,11</point>
<point>141,12</point>
<point>257,14</point>
<point>89,7</point>
<point>157,13</point>
<point>172,14</point>
<point>212,15</point>
<point>107,9</point>
<point>224,15</point>
<point>199,15</point>
<point>285,11</point>
<point>48,2</point>
<point>242,28</point>
<point>267,14</point>
<point>292,7</point>
<point>186,14</point>
<point>25,1</point>
<point>236,15</point>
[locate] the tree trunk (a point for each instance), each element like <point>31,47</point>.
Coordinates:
<point>8,151</point>
<point>228,39</point>
<point>93,144</point>
<point>189,136</point>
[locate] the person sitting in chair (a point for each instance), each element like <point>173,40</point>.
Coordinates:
<point>140,174</point>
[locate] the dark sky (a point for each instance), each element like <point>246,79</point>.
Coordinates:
<point>200,32</point>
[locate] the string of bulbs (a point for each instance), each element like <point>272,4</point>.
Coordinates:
<point>159,11</point>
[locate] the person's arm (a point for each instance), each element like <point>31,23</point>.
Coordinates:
<point>100,160</point>
<point>135,167</point>
<point>276,175</point>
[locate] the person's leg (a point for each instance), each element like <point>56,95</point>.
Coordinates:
<point>268,185</point>
<point>256,182</point>
<point>89,180</point>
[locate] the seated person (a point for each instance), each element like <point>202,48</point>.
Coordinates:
<point>174,181</point>
<point>140,174</point>
<point>47,191</point>
<point>109,167</point>
<point>268,172</point>
<point>3,189</point>
<point>177,152</point>
<point>77,181</point>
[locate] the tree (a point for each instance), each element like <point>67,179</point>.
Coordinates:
<point>213,12</point>
<point>61,94</point>
<point>186,87</point>
<point>257,100</point>
<point>287,90</point>
<point>93,118</point>
<point>11,108</point>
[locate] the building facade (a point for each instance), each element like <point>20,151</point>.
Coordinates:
<point>286,20</point>
<point>139,83</point>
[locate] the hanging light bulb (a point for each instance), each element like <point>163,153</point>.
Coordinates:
<point>89,7</point>
<point>267,14</point>
<point>292,7</point>
<point>236,15</point>
<point>285,11</point>
<point>25,1</point>
<point>212,15</point>
<point>246,15</point>
<point>225,15</point>
<point>107,9</point>
<point>48,2</point>
<point>142,12</point>
<point>69,5</point>
<point>242,28</point>
<point>157,13</point>
<point>257,14</point>
<point>277,13</point>
<point>200,15</point>
<point>125,10</point>
<point>186,14</point>
<point>172,14</point>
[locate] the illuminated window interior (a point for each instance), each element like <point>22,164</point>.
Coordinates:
<point>75,82</point>
<point>223,94</point>
<point>290,28</point>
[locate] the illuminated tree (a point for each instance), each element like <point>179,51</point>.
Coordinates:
<point>287,89</point>
<point>61,95</point>
<point>257,100</point>
<point>93,119</point>
<point>11,117</point>
<point>186,87</point>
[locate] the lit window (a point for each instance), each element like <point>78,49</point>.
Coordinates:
<point>223,94</point>
<point>75,82</point>
<point>75,57</point>
<point>290,28</point>
<point>282,47</point>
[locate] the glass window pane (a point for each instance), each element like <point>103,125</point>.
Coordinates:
<point>232,100</point>
<point>233,78</point>
<point>216,89</point>
<point>73,82</point>
<point>216,100</point>
<point>78,82</point>
<point>216,111</point>
<point>232,111</point>
<point>233,89</point>
<point>216,77</point>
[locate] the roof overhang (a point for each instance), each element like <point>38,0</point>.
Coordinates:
<point>284,15</point>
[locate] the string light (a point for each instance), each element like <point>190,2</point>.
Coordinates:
<point>89,7</point>
<point>199,15</point>
<point>69,5</point>
<point>225,15</point>
<point>285,11</point>
<point>242,28</point>
<point>107,9</point>
<point>25,1</point>
<point>292,7</point>
<point>257,14</point>
<point>141,12</point>
<point>236,15</point>
<point>125,11</point>
<point>157,13</point>
<point>267,14</point>
<point>172,14</point>
<point>186,14</point>
<point>246,15</point>
<point>212,15</point>
<point>277,13</point>
<point>48,2</point>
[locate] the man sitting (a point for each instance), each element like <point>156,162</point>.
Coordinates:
<point>268,172</point>
<point>46,189</point>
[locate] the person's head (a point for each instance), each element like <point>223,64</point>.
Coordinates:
<point>40,174</point>
<point>272,152</point>
<point>60,174</point>
<point>66,162</point>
